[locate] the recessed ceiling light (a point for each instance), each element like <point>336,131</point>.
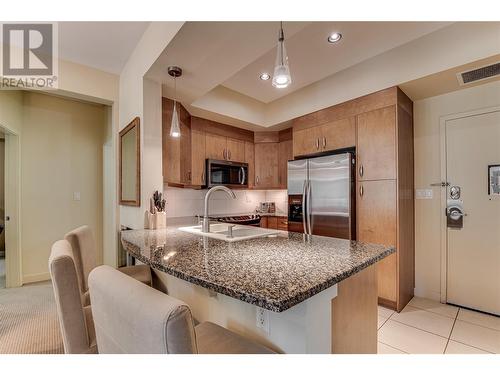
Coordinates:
<point>265,76</point>
<point>334,38</point>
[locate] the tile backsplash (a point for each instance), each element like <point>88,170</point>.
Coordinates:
<point>188,202</point>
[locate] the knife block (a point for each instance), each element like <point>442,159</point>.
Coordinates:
<point>158,220</point>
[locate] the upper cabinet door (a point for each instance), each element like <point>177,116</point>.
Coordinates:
<point>250,159</point>
<point>215,147</point>
<point>338,134</point>
<point>376,146</point>
<point>266,165</point>
<point>235,150</point>
<point>197,158</point>
<point>307,141</point>
<point>285,154</point>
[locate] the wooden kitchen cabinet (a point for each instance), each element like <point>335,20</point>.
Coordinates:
<point>224,148</point>
<point>306,141</point>
<point>377,223</point>
<point>215,146</point>
<point>250,160</point>
<point>235,150</point>
<point>176,155</point>
<point>376,144</point>
<point>197,158</point>
<point>338,134</point>
<point>282,223</point>
<point>266,165</point>
<point>272,222</point>
<point>263,222</point>
<point>333,135</point>
<point>285,154</point>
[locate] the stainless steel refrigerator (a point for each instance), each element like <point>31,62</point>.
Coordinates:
<point>321,196</point>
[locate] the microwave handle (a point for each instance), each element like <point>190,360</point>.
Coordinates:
<point>243,175</point>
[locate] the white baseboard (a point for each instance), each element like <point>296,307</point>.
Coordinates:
<point>36,277</point>
<point>425,293</point>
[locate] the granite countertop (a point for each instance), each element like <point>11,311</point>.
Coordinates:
<point>274,273</point>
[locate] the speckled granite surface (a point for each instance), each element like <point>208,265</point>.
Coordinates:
<point>274,273</point>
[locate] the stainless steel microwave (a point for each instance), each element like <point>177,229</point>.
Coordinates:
<point>228,173</point>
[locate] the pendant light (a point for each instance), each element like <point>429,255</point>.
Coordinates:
<point>175,129</point>
<point>281,76</point>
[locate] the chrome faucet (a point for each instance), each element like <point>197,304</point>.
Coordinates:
<point>205,226</point>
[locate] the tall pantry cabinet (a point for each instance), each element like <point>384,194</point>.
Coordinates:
<point>385,185</point>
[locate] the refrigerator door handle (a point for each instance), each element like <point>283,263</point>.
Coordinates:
<point>304,207</point>
<point>309,213</point>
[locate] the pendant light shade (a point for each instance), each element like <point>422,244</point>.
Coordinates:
<point>175,129</point>
<point>281,76</point>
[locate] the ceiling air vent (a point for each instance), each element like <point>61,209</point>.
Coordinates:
<point>479,74</point>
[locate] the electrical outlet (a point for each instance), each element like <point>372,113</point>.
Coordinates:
<point>263,319</point>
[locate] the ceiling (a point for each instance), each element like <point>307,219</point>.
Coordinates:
<point>447,81</point>
<point>233,54</point>
<point>312,58</point>
<point>101,45</point>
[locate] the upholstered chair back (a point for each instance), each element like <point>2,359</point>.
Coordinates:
<point>85,253</point>
<point>76,323</point>
<point>131,317</point>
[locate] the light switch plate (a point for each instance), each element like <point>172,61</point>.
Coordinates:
<point>76,195</point>
<point>423,194</point>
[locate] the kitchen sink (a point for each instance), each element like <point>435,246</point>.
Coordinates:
<point>240,232</point>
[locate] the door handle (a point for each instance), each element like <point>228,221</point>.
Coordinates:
<point>361,170</point>
<point>304,207</point>
<point>361,191</point>
<point>309,210</point>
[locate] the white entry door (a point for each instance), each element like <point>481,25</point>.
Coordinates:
<point>473,240</point>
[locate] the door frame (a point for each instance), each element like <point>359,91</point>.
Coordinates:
<point>444,237</point>
<point>12,209</point>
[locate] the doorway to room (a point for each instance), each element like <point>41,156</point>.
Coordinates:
<point>2,210</point>
<point>472,204</point>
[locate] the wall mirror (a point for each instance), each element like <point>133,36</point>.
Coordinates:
<point>130,164</point>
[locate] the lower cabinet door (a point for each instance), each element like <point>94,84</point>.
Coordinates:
<point>377,223</point>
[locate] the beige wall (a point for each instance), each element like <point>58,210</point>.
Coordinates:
<point>427,114</point>
<point>61,153</point>
<point>141,97</point>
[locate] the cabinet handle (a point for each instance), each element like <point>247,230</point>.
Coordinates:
<point>189,176</point>
<point>225,154</point>
<point>324,142</point>
<point>202,178</point>
<point>229,153</point>
<point>361,170</point>
<point>361,191</point>
<point>317,143</point>
<point>256,180</point>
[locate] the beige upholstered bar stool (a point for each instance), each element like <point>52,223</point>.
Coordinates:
<point>75,320</point>
<point>84,250</point>
<point>131,317</point>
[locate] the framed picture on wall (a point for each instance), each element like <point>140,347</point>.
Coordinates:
<point>494,179</point>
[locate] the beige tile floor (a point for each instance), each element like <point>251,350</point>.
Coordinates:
<point>429,327</point>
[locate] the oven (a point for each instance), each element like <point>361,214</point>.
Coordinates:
<point>228,173</point>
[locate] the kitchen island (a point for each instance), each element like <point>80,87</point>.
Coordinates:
<point>319,293</point>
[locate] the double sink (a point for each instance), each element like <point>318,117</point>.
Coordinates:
<point>231,232</point>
